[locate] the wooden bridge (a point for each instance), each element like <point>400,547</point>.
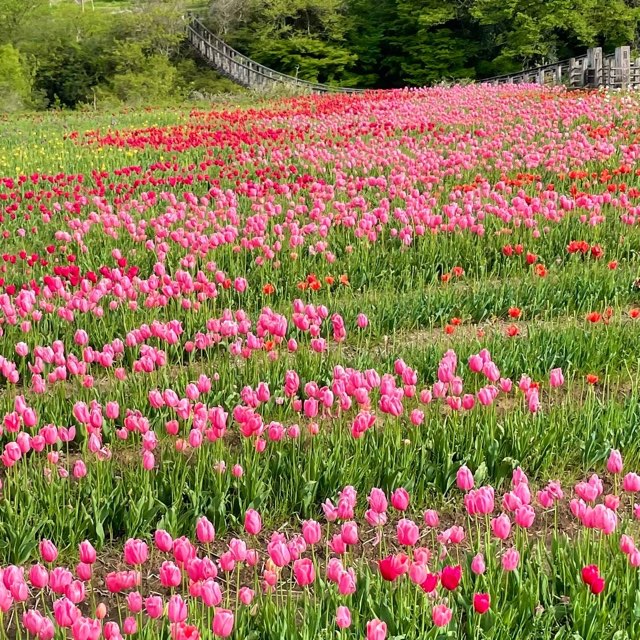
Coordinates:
<point>593,70</point>
<point>242,69</point>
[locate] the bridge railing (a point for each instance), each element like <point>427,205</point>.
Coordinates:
<point>242,69</point>
<point>593,70</point>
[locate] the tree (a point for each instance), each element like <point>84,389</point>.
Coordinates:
<point>373,36</point>
<point>529,31</point>
<point>14,15</point>
<point>226,15</point>
<point>156,25</point>
<point>15,82</point>
<point>304,38</point>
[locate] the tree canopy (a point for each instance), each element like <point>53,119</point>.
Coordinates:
<point>390,43</point>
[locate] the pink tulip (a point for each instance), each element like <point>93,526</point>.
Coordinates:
<point>130,626</point>
<point>491,371</point>
<point>170,574</point>
<point>6,599</point>
<point>304,572</point>
<point>22,349</point>
<point>524,516</point>
<point>425,396</point>
<point>84,571</point>
<point>477,564</point>
<point>211,594</point>
<point>431,518</point>
<point>29,417</point>
<point>311,531</point>
<point>75,591</point>
<point>154,606</point>
<point>510,559</point>
<point>556,379</point>
<point>631,483</point>
<point>47,630</point>
<point>545,499</point>
<point>334,569</point>
<point>408,532</point>
<point>48,551</point>
<point>476,363</point>
<point>134,602</point>
<point>163,540</point>
<point>377,500</point>
<point>240,285</point>
<point>79,469</point>
<point>32,621</point>
<point>148,461</point>
<point>347,582</point>
<point>501,526</point>
<point>343,617</point>
<point>252,522</point>
<point>86,629</point>
<point>237,471</point>
<point>65,612</point>
<point>279,553</point>
<point>468,402</point>
<point>87,552</point>
<point>136,552</point>
<point>464,478</point>
<point>614,463</point>
<point>349,533</point>
<point>112,410</point>
<point>223,621</point>
<point>205,532</point>
<point>626,544</point>
<point>441,615</point>
<point>38,576</point>
<point>176,609</point>
<point>376,630</point>
<point>400,499</point>
<point>485,396</point>
<point>246,595</point>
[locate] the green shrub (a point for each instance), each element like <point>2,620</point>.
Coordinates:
<point>196,79</point>
<point>154,81</point>
<point>15,81</point>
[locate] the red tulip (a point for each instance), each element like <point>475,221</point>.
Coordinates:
<point>450,577</point>
<point>481,602</point>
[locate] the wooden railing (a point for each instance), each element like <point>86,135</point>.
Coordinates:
<point>242,69</point>
<point>593,70</point>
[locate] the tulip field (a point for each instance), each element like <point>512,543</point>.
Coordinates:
<point>329,367</point>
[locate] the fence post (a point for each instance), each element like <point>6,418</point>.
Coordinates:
<point>572,70</point>
<point>623,65</point>
<point>594,65</point>
<point>540,79</point>
<point>557,76</point>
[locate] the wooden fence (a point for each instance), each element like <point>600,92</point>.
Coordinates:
<point>593,70</point>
